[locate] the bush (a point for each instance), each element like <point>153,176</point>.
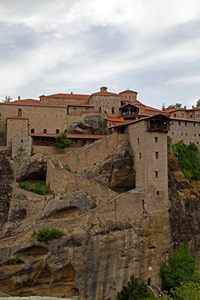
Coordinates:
<point>189,159</point>
<point>135,290</point>
<point>48,234</point>
<point>179,269</point>
<point>62,142</point>
<point>187,291</point>
<point>38,187</point>
<point>15,260</point>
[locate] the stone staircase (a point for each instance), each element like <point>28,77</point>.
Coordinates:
<point>6,179</point>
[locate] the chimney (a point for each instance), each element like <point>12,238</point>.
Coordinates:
<point>18,97</point>
<point>103,89</point>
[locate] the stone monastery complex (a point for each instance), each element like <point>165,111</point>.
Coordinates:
<point>44,119</point>
<point>30,126</point>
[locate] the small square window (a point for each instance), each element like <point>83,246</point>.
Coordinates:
<point>140,155</point>
<point>158,193</point>
<point>156,139</point>
<point>156,174</point>
<point>138,140</point>
<point>156,155</point>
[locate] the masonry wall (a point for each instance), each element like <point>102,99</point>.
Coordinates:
<point>40,118</point>
<point>105,104</point>
<point>64,102</point>
<point>187,131</point>
<point>91,154</point>
<point>150,164</point>
<point>77,111</point>
<point>15,128</point>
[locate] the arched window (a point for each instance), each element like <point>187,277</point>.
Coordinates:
<point>19,112</point>
<point>32,130</point>
<point>113,110</point>
<point>57,131</point>
<point>44,130</point>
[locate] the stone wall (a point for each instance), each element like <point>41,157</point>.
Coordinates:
<point>16,127</point>
<point>62,181</point>
<point>186,130</point>
<point>91,154</point>
<point>107,105</point>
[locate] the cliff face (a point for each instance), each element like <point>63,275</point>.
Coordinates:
<point>108,235</point>
<point>6,180</point>
<point>185,209</point>
<point>108,232</point>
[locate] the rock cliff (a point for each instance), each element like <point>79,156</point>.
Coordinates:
<point>105,239</point>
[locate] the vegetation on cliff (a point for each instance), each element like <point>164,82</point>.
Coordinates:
<point>48,234</point>
<point>180,281</point>
<point>179,269</point>
<point>36,187</point>
<point>62,142</point>
<point>189,159</point>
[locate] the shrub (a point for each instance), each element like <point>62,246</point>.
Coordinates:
<point>135,290</point>
<point>48,234</point>
<point>62,142</point>
<point>15,260</point>
<point>179,269</point>
<point>38,187</point>
<point>189,159</point>
<point>187,291</point>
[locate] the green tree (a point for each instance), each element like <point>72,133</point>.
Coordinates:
<point>189,159</point>
<point>178,105</point>
<point>179,269</point>
<point>135,290</point>
<point>62,142</point>
<point>7,99</point>
<point>198,103</point>
<point>187,291</point>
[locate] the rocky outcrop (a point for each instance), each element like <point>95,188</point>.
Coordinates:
<point>117,171</point>
<point>185,208</point>
<point>6,180</point>
<point>93,124</point>
<point>34,168</point>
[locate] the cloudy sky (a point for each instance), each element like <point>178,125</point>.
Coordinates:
<point>151,46</point>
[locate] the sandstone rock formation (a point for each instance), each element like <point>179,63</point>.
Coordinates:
<point>108,234</point>
<point>93,124</point>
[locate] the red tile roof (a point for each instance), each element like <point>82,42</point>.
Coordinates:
<point>69,96</point>
<point>114,119</point>
<point>31,102</point>
<point>128,91</point>
<point>105,94</point>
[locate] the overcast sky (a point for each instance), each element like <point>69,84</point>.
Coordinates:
<point>151,46</point>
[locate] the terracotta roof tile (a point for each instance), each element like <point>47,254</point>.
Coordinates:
<point>69,96</point>
<point>105,94</point>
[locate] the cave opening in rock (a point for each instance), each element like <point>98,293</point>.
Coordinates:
<point>65,213</point>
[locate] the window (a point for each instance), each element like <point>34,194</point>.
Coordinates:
<point>158,193</point>
<point>186,134</point>
<point>185,123</point>
<point>174,115</point>
<point>113,110</point>
<point>44,130</point>
<point>194,124</point>
<point>156,155</point>
<point>179,122</point>
<point>172,133</point>
<point>156,139</point>
<point>19,112</point>
<point>191,116</point>
<point>57,131</point>
<point>32,130</point>
<point>100,109</point>
<point>156,174</point>
<point>138,140</point>
<point>140,155</point>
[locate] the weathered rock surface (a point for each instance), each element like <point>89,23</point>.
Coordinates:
<point>33,168</point>
<point>185,209</point>
<point>93,124</point>
<point>117,171</point>
<point>102,245</point>
<point>6,180</point>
